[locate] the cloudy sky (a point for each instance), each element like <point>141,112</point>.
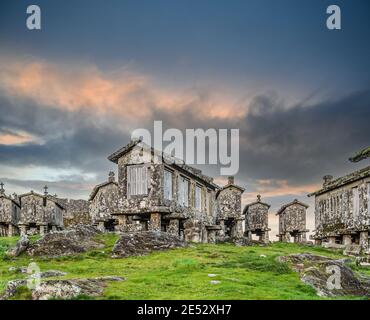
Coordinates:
<point>71,93</point>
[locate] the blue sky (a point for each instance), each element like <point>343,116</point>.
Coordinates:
<point>71,93</point>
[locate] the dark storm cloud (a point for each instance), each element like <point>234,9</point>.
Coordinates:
<point>297,143</point>
<point>63,139</point>
<point>302,143</point>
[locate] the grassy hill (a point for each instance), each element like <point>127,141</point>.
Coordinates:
<point>244,272</point>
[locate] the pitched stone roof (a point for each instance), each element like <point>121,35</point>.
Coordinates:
<point>230,185</point>
<point>115,156</point>
<point>361,155</point>
<point>255,202</point>
<point>3,195</point>
<point>295,201</point>
<point>99,186</point>
<point>349,178</point>
<point>49,197</point>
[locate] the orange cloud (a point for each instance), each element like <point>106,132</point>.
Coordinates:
<point>14,139</point>
<point>278,188</point>
<point>126,94</point>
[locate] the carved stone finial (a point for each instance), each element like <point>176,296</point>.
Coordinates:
<point>111,177</point>
<point>230,180</point>
<point>258,197</point>
<point>2,190</point>
<point>327,179</point>
<point>46,190</point>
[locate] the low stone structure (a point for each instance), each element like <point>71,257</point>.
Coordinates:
<point>103,204</point>
<point>342,210</point>
<point>39,213</point>
<point>9,213</point>
<point>256,220</point>
<point>292,221</point>
<point>76,211</point>
<point>157,192</point>
<point>229,215</point>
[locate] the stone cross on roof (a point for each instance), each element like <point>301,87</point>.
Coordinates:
<point>111,177</point>
<point>2,190</point>
<point>46,190</point>
<point>258,197</point>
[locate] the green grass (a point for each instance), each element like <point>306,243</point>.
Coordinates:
<point>182,273</point>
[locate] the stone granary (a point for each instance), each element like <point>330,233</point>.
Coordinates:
<point>159,192</point>
<point>342,209</point>
<point>39,213</point>
<point>292,221</point>
<point>77,211</point>
<point>103,204</point>
<point>256,220</point>
<point>9,213</point>
<point>229,213</point>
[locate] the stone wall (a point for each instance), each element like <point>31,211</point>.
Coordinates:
<point>257,217</point>
<point>293,219</point>
<point>104,203</point>
<point>334,210</point>
<point>76,212</point>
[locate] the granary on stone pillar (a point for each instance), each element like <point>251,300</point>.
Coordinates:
<point>77,211</point>
<point>158,192</point>
<point>39,213</point>
<point>292,222</point>
<point>256,220</point>
<point>9,213</point>
<point>342,214</point>
<point>103,204</point>
<point>229,215</point>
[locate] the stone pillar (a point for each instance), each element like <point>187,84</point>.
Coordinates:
<point>54,228</point>
<point>42,230</point>
<point>364,240</point>
<point>221,232</point>
<point>248,234</point>
<point>23,229</point>
<point>347,239</point>
<point>318,242</point>
<point>287,237</point>
<point>173,227</point>
<point>331,240</point>
<point>101,226</point>
<point>296,238</point>
<point>211,236</point>
<point>11,231</point>
<point>303,237</point>
<point>238,228</point>
<point>155,222</point>
<point>265,237</point>
<point>122,223</point>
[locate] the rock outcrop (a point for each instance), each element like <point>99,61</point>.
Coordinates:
<point>141,243</point>
<point>329,277</point>
<point>19,248</point>
<point>61,289</point>
<point>78,239</point>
